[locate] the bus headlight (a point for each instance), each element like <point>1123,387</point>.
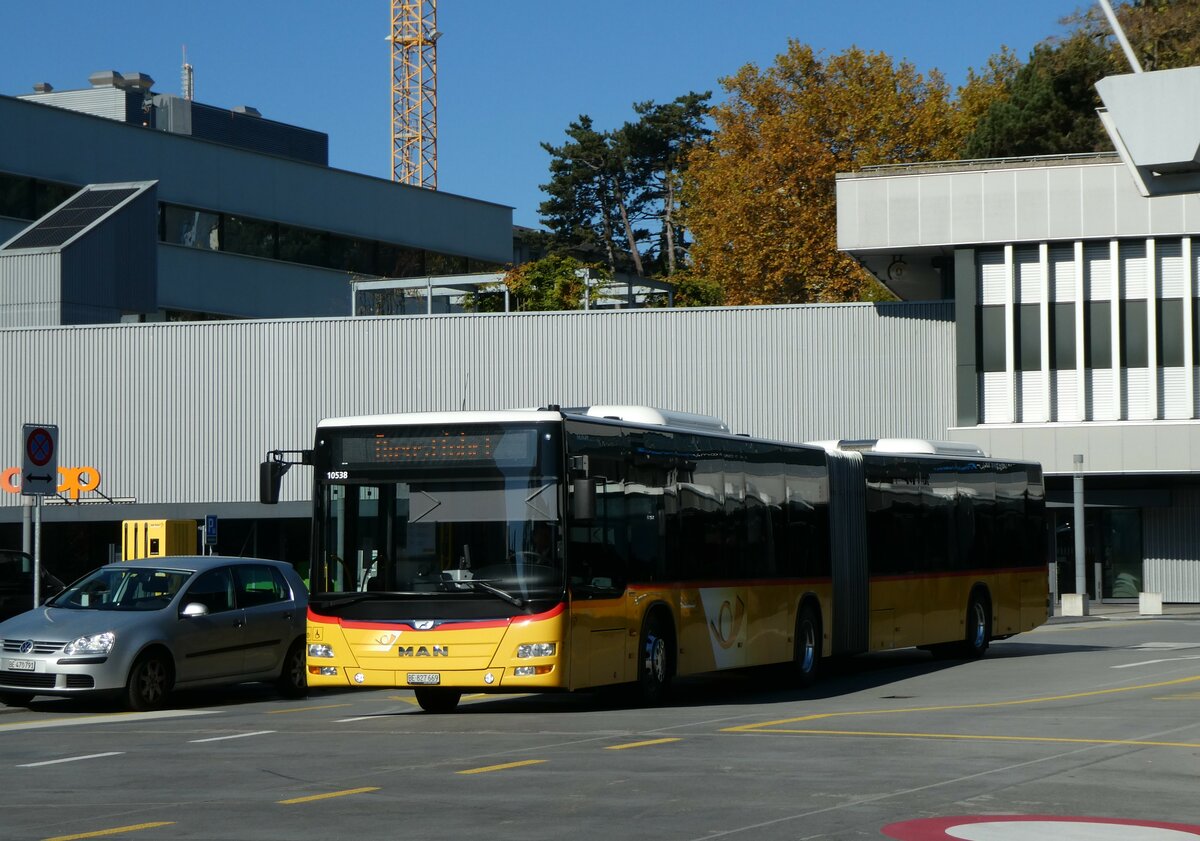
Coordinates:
<point>319,649</point>
<point>536,649</point>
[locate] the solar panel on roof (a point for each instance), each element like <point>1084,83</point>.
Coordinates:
<point>71,218</point>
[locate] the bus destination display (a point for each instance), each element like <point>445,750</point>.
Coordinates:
<point>418,448</point>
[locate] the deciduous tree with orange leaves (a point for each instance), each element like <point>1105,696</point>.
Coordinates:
<point>760,197</point>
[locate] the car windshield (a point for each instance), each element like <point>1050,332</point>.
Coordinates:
<point>123,588</point>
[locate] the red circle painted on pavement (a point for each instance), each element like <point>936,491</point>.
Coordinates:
<point>39,446</point>
<point>1033,828</point>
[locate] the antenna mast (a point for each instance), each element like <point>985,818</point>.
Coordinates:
<point>414,92</point>
<point>187,81</point>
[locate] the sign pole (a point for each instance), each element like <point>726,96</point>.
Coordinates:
<point>37,550</point>
<point>39,476</point>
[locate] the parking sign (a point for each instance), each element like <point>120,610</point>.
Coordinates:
<point>39,453</point>
<point>210,529</point>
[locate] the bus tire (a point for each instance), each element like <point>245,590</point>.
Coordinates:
<point>978,635</point>
<point>437,700</point>
<point>654,660</point>
<point>807,653</point>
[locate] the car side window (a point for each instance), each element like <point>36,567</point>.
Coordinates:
<point>213,589</point>
<point>259,584</point>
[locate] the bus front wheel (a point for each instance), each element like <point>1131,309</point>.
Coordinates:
<point>437,700</point>
<point>654,661</point>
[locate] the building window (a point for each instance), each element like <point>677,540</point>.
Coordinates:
<point>193,228</point>
<point>1062,337</point>
<point>1169,340</point>
<point>252,237</point>
<point>992,340</point>
<point>1029,337</point>
<point>1097,331</point>
<point>1135,352</point>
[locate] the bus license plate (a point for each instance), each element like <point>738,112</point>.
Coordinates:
<point>21,665</point>
<point>424,678</point>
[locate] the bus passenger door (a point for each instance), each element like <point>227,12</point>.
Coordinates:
<point>598,621</point>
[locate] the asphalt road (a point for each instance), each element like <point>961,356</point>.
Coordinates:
<point>1094,719</point>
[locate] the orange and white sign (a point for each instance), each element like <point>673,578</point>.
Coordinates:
<point>71,480</point>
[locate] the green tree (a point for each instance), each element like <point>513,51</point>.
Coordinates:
<point>606,187</point>
<point>1051,103</point>
<point>1048,105</point>
<point>549,284</point>
<point>760,196</point>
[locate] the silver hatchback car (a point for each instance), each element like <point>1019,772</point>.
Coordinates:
<point>138,629</point>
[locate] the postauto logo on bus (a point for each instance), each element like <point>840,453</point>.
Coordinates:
<point>72,480</point>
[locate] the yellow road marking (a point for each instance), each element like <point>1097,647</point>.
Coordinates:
<point>1183,696</point>
<point>306,709</point>
<point>1131,742</point>
<point>503,767</point>
<point>116,830</point>
<point>328,795</point>
<point>642,744</point>
<point>741,728</point>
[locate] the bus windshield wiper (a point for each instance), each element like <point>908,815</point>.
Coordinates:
<point>351,598</point>
<point>495,591</point>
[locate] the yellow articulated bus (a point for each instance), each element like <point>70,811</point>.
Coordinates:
<point>566,549</point>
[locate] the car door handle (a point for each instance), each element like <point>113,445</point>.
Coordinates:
<point>287,615</point>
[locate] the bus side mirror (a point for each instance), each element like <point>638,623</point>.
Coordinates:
<point>270,477</point>
<point>583,499</point>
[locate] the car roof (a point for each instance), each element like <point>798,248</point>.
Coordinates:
<point>195,563</point>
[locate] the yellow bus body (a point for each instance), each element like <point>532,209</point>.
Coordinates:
<point>717,628</point>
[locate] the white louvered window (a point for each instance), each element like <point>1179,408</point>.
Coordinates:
<point>1097,272</point>
<point>993,277</point>
<point>1028,270</point>
<point>1062,272</point>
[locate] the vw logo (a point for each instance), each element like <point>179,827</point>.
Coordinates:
<point>27,646</point>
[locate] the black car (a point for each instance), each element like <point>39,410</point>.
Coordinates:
<point>16,583</point>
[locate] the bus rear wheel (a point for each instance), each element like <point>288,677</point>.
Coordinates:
<point>978,628</point>
<point>437,700</point>
<point>654,661</point>
<point>807,655</point>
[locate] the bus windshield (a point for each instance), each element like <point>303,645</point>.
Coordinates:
<point>488,530</point>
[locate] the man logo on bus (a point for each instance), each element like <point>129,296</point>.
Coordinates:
<point>422,651</point>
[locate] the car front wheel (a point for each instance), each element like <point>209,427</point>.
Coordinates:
<point>293,679</point>
<point>149,683</point>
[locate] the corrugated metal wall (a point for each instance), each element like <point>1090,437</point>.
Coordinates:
<point>173,413</point>
<point>32,284</point>
<point>1170,537</point>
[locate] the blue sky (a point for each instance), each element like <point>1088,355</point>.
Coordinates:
<point>510,74</point>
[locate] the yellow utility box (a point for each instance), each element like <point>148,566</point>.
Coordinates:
<point>157,538</point>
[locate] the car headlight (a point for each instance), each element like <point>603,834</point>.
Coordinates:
<point>93,644</point>
<point>536,649</point>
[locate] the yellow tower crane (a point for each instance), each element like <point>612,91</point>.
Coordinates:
<point>414,92</point>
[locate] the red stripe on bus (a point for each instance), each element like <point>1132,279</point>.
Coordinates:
<point>745,582</point>
<point>446,626</point>
<point>917,576</point>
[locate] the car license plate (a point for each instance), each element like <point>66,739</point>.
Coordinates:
<point>21,665</point>
<point>424,678</point>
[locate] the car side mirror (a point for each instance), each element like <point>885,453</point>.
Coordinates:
<point>194,609</point>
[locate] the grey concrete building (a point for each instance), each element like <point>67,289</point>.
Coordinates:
<point>1075,301</point>
<point>247,221</point>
